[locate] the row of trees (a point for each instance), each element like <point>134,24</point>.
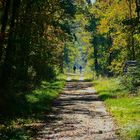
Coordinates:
<point>39,38</point>
<point>32,41</point>
<point>115,30</point>
<point>115,34</point>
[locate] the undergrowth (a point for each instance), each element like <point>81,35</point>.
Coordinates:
<point>27,117</point>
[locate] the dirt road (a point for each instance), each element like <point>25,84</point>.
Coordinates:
<point>78,114</point>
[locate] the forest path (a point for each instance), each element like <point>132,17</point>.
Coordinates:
<point>78,114</point>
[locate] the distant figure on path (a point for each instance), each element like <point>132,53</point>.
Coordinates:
<point>74,68</point>
<point>80,69</point>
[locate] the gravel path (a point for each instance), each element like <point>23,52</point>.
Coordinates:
<point>78,114</point>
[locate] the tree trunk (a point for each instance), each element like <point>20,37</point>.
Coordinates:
<point>96,65</point>
<point>3,26</point>
<point>138,10</point>
<point>9,52</point>
<point>133,46</point>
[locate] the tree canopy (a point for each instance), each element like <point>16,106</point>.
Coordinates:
<point>39,39</point>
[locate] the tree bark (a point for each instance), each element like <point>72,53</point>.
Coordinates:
<point>3,26</point>
<point>9,52</point>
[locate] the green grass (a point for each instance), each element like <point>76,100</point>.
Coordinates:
<point>33,108</point>
<point>89,76</point>
<point>127,113</point>
<point>124,107</point>
<point>74,76</point>
<point>110,88</point>
<point>41,98</point>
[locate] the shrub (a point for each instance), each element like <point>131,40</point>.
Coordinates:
<point>131,80</point>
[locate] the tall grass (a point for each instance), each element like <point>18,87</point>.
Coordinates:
<point>124,107</point>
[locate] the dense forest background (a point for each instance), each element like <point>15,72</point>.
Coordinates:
<point>40,39</point>
<point>32,42</point>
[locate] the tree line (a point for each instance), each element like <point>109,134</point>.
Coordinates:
<point>39,39</point>
<point>32,41</point>
<point>115,38</point>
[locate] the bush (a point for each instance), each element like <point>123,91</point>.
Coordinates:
<point>131,80</point>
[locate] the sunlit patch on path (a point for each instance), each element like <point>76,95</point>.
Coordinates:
<point>68,78</point>
<point>81,78</point>
<point>78,114</point>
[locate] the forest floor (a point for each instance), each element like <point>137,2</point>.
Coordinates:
<point>78,114</point>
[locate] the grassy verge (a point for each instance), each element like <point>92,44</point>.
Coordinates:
<point>74,76</point>
<point>124,107</point>
<point>35,106</point>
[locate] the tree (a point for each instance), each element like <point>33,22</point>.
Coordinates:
<point>32,42</point>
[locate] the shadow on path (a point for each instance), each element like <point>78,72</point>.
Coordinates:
<point>78,114</point>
